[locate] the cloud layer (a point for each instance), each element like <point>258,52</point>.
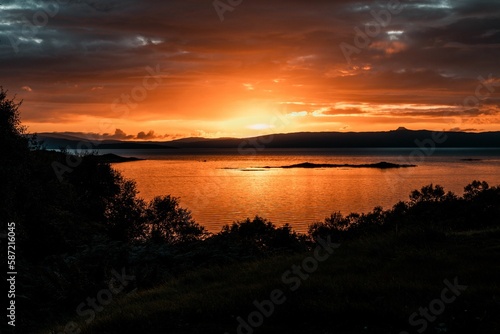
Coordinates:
<point>174,67</point>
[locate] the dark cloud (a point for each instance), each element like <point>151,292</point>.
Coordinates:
<point>146,136</point>
<point>477,7</point>
<point>465,130</point>
<point>120,135</point>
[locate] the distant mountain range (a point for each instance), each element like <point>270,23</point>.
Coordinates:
<point>396,138</point>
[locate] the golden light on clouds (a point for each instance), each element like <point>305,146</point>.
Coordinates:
<point>189,75</point>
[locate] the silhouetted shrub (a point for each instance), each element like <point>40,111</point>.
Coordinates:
<point>170,223</point>
<point>475,188</point>
<point>427,193</point>
<point>335,226</point>
<point>429,213</point>
<point>260,235</point>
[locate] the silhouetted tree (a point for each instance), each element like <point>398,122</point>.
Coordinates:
<point>334,226</point>
<point>125,213</point>
<point>474,189</point>
<point>429,193</point>
<point>14,157</point>
<point>12,133</point>
<point>260,235</point>
<point>170,223</point>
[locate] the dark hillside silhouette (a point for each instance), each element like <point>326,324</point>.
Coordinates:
<point>401,138</point>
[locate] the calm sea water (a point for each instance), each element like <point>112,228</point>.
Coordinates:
<point>222,186</point>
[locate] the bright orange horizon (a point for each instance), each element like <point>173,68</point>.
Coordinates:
<point>178,70</point>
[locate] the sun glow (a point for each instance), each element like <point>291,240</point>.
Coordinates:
<point>260,126</point>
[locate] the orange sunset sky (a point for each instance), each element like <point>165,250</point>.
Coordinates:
<point>159,70</point>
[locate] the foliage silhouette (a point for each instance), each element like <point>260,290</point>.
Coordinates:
<point>170,223</point>
<point>261,236</point>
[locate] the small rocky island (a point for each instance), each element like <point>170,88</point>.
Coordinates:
<point>379,165</point>
<point>113,158</point>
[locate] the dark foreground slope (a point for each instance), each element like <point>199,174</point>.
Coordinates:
<point>373,285</point>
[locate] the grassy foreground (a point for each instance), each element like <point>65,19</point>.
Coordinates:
<point>370,285</point>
